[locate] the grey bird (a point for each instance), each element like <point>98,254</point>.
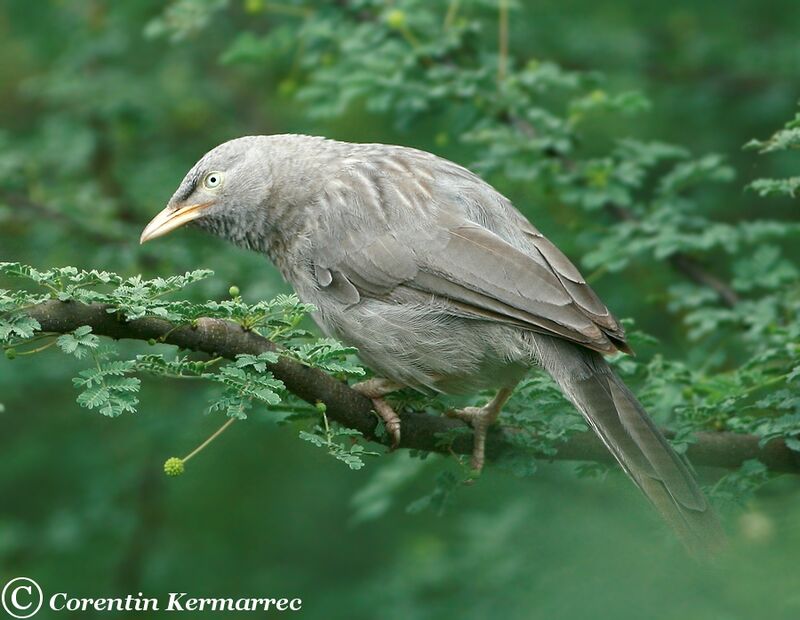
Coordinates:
<point>441,284</point>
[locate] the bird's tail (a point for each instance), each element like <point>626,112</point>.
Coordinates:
<point>625,428</point>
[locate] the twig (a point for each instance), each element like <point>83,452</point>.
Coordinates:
<point>216,434</point>
<point>502,35</point>
<point>452,11</point>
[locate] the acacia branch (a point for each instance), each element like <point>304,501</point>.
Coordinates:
<point>351,409</point>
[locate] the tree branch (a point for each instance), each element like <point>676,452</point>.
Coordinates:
<point>351,409</point>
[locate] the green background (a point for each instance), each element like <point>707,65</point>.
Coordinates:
<point>100,117</point>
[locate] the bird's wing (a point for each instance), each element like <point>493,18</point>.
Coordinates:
<point>474,270</point>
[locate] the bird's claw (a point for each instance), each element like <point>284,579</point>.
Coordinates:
<point>375,389</point>
<point>390,420</point>
<point>480,419</point>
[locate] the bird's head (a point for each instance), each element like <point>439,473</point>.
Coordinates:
<point>226,192</point>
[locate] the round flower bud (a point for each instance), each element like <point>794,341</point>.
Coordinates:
<point>253,6</point>
<point>396,19</point>
<point>174,466</point>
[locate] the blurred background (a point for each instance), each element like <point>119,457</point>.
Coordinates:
<point>104,106</point>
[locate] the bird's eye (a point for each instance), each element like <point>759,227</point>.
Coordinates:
<point>213,180</point>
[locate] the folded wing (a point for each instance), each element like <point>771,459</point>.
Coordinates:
<point>474,270</point>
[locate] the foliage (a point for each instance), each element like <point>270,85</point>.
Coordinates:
<point>326,437</point>
<point>527,120</point>
<point>636,173</point>
<point>110,385</point>
<point>785,139</point>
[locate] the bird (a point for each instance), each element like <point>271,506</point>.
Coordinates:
<point>441,284</point>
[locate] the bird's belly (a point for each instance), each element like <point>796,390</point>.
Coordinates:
<point>426,348</point>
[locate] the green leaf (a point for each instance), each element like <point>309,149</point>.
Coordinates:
<point>94,397</point>
<point>78,343</point>
<point>257,362</point>
<point>687,174</point>
<point>793,443</point>
<point>331,356</point>
<point>350,452</point>
<point>18,325</point>
<point>776,187</point>
<point>247,48</point>
<point>782,140</point>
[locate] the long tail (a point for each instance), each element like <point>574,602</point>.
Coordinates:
<point>625,428</point>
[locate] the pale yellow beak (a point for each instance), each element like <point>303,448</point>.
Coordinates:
<point>170,219</point>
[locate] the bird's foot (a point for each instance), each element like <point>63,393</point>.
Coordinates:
<point>390,419</point>
<point>480,419</point>
<point>375,389</point>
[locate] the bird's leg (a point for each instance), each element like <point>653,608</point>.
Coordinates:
<point>481,418</point>
<point>375,389</point>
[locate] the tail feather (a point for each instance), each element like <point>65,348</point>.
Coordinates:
<point>622,424</point>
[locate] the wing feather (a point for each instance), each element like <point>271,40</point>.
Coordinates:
<point>462,263</point>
